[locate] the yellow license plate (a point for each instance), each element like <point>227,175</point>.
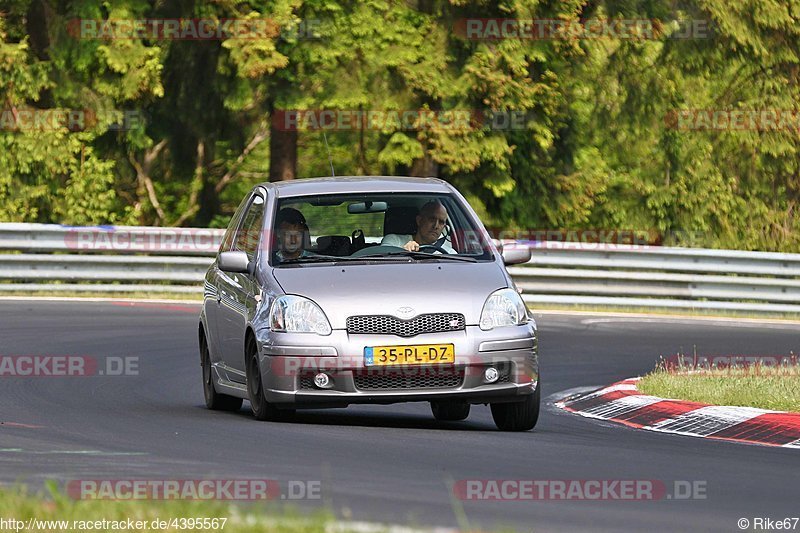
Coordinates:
<point>419,354</point>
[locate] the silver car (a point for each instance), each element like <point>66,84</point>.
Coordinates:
<point>336,291</point>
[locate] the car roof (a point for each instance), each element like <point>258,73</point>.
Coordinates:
<point>356,184</point>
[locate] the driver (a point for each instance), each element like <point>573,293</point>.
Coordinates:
<point>292,232</point>
<point>431,220</point>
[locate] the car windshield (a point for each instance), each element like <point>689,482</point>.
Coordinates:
<point>375,227</point>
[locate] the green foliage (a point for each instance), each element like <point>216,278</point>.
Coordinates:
<point>594,144</point>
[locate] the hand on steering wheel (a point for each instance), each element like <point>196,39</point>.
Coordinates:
<point>436,248</point>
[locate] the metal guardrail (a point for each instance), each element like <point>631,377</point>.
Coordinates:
<point>642,276</point>
<point>123,259</point>
<point>144,259</point>
<point>110,239</point>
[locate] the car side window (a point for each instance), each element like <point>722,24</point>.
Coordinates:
<point>227,239</point>
<point>248,236</point>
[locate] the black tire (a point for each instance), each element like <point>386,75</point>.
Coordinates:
<point>261,408</point>
<point>214,400</point>
<point>450,411</point>
<point>518,416</point>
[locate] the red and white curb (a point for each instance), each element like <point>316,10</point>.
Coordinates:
<point>622,402</point>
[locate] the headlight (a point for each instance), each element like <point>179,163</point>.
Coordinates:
<point>503,308</point>
<point>295,314</point>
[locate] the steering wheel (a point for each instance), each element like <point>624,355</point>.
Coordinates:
<point>435,247</point>
<point>376,250</point>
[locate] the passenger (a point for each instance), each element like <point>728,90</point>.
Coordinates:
<point>431,220</point>
<point>292,232</point>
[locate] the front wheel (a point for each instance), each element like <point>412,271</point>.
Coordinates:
<point>518,416</point>
<point>450,411</point>
<point>261,408</point>
<point>214,400</point>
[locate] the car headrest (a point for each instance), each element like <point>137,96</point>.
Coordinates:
<point>333,244</point>
<point>401,220</point>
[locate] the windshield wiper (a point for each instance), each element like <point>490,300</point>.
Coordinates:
<point>310,259</point>
<point>332,259</point>
<point>424,255</point>
<point>389,256</point>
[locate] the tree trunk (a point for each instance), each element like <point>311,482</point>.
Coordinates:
<point>37,21</point>
<point>144,182</point>
<point>424,167</point>
<point>209,204</point>
<point>282,153</point>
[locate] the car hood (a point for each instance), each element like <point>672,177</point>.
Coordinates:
<point>346,290</point>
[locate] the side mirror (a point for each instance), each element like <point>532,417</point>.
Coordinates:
<point>515,253</point>
<point>234,262</point>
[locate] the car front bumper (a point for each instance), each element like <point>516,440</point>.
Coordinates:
<point>289,363</point>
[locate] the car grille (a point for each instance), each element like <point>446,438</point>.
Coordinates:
<point>391,325</point>
<point>387,380</point>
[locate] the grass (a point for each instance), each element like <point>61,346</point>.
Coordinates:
<point>664,311</point>
<point>198,298</point>
<point>53,505</point>
<point>766,387</point>
<point>146,295</point>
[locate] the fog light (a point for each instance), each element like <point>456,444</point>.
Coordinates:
<point>322,380</point>
<point>490,375</point>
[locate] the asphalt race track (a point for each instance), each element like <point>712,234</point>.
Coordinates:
<point>382,463</point>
